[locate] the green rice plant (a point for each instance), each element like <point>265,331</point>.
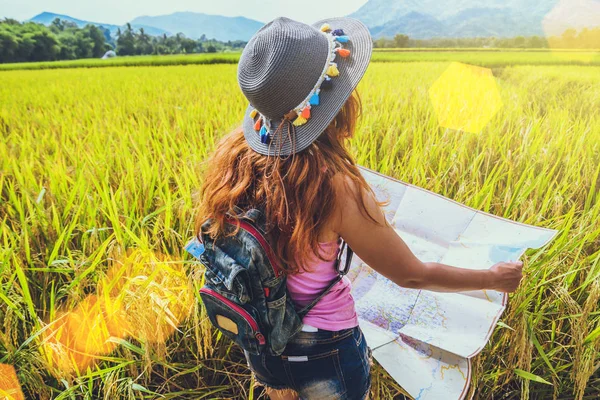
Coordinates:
<point>97,161</point>
<point>131,61</point>
<point>492,57</point>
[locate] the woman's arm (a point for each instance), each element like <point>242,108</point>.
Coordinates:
<point>383,250</point>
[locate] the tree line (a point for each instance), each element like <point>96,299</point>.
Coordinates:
<point>131,42</point>
<point>570,39</point>
<point>20,42</point>
<point>64,40</point>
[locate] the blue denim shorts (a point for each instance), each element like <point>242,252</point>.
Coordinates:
<point>318,365</point>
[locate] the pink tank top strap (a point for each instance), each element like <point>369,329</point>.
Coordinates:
<point>335,310</point>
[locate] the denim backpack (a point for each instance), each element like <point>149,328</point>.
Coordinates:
<point>244,292</point>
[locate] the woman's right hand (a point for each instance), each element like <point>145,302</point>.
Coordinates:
<point>506,276</point>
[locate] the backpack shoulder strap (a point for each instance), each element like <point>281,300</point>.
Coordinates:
<point>341,273</point>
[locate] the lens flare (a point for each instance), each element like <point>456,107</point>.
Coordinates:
<point>574,25</point>
<point>144,295</point>
<point>465,97</point>
<point>75,339</point>
<point>154,291</point>
<point>9,384</point>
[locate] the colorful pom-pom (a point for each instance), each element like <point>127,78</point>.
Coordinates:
<point>327,83</point>
<point>332,70</point>
<point>343,52</point>
<point>253,113</point>
<point>257,124</point>
<point>314,100</point>
<point>264,135</point>
<point>305,113</point>
<point>299,121</point>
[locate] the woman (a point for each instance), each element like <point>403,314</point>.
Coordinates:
<point>290,159</point>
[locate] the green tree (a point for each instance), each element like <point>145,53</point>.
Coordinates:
<point>68,44</point>
<point>143,43</point>
<point>380,43</point>
<point>536,42</point>
<point>10,21</point>
<point>188,45</point>
<point>401,41</point>
<point>569,38</point>
<point>126,42</point>
<point>8,46</point>
<point>97,39</point>
<point>84,45</point>
<point>519,41</point>
<point>25,49</point>
<point>45,46</point>
<point>58,25</point>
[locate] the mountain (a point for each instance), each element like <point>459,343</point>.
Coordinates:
<point>46,18</point>
<point>425,24</point>
<point>194,25</point>
<point>422,19</point>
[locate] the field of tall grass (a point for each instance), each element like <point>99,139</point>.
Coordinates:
<point>483,57</point>
<point>100,168</point>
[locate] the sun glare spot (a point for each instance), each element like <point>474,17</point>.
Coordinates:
<point>572,29</point>
<point>144,295</point>
<point>9,384</point>
<point>465,97</point>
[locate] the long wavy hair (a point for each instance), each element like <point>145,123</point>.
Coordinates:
<point>296,192</point>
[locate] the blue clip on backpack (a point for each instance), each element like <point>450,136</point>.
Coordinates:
<point>245,292</point>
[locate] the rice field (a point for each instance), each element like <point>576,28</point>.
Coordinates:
<point>99,174</point>
<point>483,57</point>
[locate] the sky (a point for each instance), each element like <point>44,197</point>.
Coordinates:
<point>120,11</point>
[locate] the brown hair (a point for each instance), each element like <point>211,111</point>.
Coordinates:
<point>297,193</point>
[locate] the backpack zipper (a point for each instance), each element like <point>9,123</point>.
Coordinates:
<point>259,336</point>
<point>263,242</point>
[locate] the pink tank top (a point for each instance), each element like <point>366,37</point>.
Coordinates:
<point>335,311</point>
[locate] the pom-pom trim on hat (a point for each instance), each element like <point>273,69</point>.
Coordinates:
<point>302,111</point>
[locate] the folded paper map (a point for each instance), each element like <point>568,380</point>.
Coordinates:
<point>425,339</point>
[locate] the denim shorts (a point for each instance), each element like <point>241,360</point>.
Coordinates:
<point>318,365</point>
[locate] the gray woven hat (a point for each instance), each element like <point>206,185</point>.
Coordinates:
<point>297,77</point>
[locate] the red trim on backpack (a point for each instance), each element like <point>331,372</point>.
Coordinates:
<point>263,242</point>
<point>243,313</point>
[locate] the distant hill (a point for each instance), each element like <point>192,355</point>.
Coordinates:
<point>194,25</point>
<point>46,18</point>
<point>425,19</point>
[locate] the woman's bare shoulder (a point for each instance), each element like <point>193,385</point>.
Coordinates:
<point>352,201</point>
<point>343,187</point>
